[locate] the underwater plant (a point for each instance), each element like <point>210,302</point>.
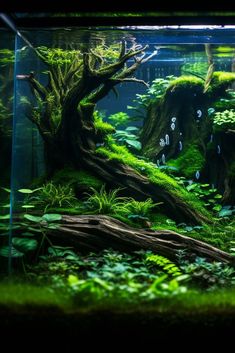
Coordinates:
<point>51,195</point>
<point>119,119</point>
<point>139,210</point>
<point>224,120</point>
<point>105,202</point>
<point>128,137</point>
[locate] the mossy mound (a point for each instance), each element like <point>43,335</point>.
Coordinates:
<point>186,83</point>
<point>190,161</point>
<point>80,180</point>
<point>220,83</point>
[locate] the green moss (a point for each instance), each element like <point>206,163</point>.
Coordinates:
<point>76,177</point>
<point>190,160</point>
<point>102,127</point>
<point>14,295</point>
<point>185,83</point>
<point>122,155</point>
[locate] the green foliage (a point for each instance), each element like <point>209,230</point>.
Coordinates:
<point>58,56</point>
<point>128,137</point>
<point>138,210</point>
<point>226,211</point>
<point>209,196</point>
<point>224,120</point>
<point>7,57</point>
<point>209,274</point>
<point>24,244</point>
<point>112,276</point>
<point>104,202</point>
<point>164,264</point>
<point>189,162</point>
<point>119,119</point>
<point>153,94</point>
<point>51,195</point>
<point>102,127</point>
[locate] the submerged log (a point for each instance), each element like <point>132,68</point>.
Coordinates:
<point>98,232</point>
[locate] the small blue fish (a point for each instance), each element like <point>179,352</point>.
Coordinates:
<point>173,119</point>
<point>197,174</point>
<point>218,149</point>
<point>167,140</point>
<point>162,143</point>
<point>163,159</point>
<point>199,113</point>
<point>173,126</point>
<point>99,144</point>
<point>180,145</point>
<point>211,138</point>
<point>158,163</point>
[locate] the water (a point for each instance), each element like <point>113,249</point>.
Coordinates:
<point>135,124</point>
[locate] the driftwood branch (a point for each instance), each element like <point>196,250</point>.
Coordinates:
<point>95,233</point>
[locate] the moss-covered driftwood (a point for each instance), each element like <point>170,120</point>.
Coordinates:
<point>67,126</point>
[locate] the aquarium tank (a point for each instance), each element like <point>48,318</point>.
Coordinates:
<point>117,168</point>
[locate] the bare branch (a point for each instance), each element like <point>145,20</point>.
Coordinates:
<point>149,57</point>
<point>129,79</point>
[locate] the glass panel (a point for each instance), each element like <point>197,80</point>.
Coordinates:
<point>123,160</point>
<point>7,48</point>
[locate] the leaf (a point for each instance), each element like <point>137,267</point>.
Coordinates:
<point>8,205</point>
<point>52,217</point>
<point>170,222</point>
<point>7,190</point>
<point>218,196</point>
<point>5,251</point>
<point>33,218</point>
<point>26,191</point>
<point>132,128</point>
<point>6,216</point>
<point>24,244</point>
<point>225,213</point>
<point>73,280</point>
<point>28,234</point>
<point>217,208</point>
<point>191,187</point>
<point>28,206</point>
<point>136,144</point>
